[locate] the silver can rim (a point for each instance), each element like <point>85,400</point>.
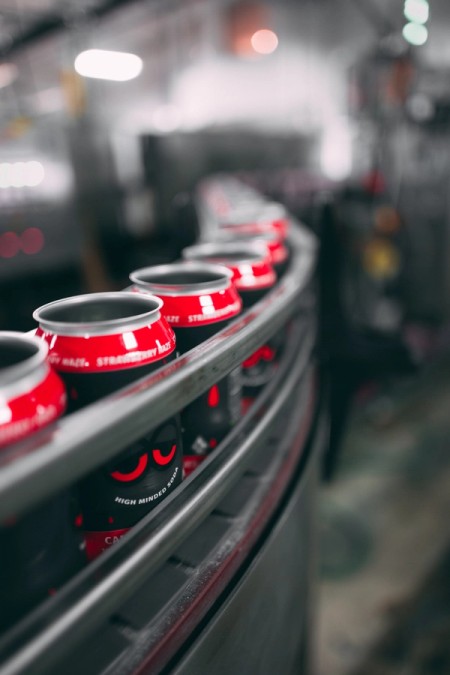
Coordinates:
<point>252,251</point>
<point>23,376</point>
<point>99,327</point>
<point>221,282</point>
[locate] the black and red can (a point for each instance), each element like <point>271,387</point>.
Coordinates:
<point>253,276</point>
<point>99,343</point>
<point>39,550</point>
<point>263,216</point>
<point>276,248</point>
<point>199,300</point>
<point>32,394</point>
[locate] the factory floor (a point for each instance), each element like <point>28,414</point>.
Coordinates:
<point>384,589</point>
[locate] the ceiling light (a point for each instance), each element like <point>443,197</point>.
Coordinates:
<point>107,65</point>
<point>17,178</point>
<point>21,174</point>
<point>417,11</point>
<point>34,174</point>
<point>415,34</point>
<point>5,171</point>
<point>264,41</point>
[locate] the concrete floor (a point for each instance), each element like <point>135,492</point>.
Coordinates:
<point>384,596</point>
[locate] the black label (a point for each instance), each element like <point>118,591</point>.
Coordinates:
<point>123,491</point>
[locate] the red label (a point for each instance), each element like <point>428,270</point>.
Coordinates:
<point>278,225</point>
<point>132,475</point>
<point>101,353</point>
<point>97,542</point>
<point>194,310</point>
<point>191,462</point>
<point>213,396</point>
<point>265,353</point>
<point>250,275</point>
<point>246,403</point>
<point>29,412</point>
<point>155,458</point>
<point>278,251</point>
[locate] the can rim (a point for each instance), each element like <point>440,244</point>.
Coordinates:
<point>220,283</point>
<point>254,214</point>
<point>27,372</point>
<point>245,233</point>
<point>99,327</point>
<point>273,209</point>
<point>252,252</point>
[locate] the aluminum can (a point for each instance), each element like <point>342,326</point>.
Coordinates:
<point>99,343</point>
<point>253,276</point>
<point>276,248</point>
<point>32,394</point>
<point>39,550</point>
<point>199,300</point>
<point>266,217</point>
<point>249,262</point>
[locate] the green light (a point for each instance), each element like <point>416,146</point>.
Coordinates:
<point>415,34</point>
<point>417,11</point>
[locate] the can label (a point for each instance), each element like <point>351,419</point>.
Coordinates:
<point>97,542</point>
<point>122,492</point>
<point>106,353</point>
<point>33,410</point>
<point>195,318</point>
<point>262,281</point>
<point>201,310</point>
<point>258,369</point>
<point>208,419</point>
<point>190,463</point>
<point>252,275</point>
<point>95,366</point>
<point>278,251</point>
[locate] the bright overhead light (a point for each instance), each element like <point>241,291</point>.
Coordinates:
<point>107,65</point>
<point>5,172</point>
<point>17,176</point>
<point>34,174</point>
<point>417,11</point>
<point>415,34</point>
<point>264,41</point>
<point>21,174</point>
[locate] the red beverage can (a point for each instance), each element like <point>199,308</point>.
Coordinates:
<point>266,217</point>
<point>276,249</point>
<point>32,394</point>
<point>39,550</point>
<point>99,343</point>
<point>199,300</point>
<point>253,276</point>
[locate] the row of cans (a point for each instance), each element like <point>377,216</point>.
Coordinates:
<point>88,346</point>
